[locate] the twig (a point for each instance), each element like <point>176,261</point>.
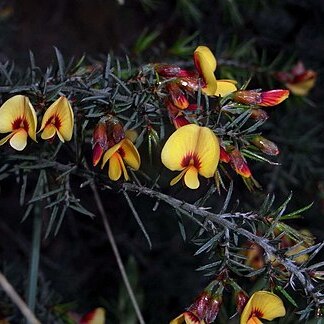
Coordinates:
<point>116,253</point>
<point>10,291</point>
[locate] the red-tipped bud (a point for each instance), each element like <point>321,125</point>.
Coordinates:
<point>171,71</point>
<point>241,298</point>
<point>200,305</point>
<point>239,164</point>
<point>224,156</point>
<point>213,309</point>
<point>259,114</point>
<point>108,132</point>
<point>177,96</point>
<point>265,145</point>
<point>264,98</point>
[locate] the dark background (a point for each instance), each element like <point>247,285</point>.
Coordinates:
<point>77,265</point>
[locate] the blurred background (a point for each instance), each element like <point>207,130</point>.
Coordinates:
<point>252,39</point>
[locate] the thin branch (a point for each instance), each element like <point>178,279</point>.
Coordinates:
<point>16,299</point>
<point>116,253</point>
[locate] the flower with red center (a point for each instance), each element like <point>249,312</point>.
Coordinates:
<point>192,150</point>
<point>299,80</point>
<point>206,63</point>
<point>264,305</point>
<point>18,117</point>
<point>261,98</point>
<point>58,119</point>
<point>121,153</point>
<point>96,316</point>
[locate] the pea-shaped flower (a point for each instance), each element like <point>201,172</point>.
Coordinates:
<point>206,63</point>
<point>264,305</point>
<point>18,117</point>
<point>120,154</point>
<point>58,119</point>
<point>192,150</point>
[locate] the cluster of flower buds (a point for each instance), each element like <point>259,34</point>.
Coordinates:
<point>19,118</point>
<point>298,80</point>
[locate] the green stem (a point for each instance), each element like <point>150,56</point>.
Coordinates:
<point>34,259</point>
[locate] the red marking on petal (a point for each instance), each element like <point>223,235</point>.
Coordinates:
<point>191,159</point>
<point>121,152</point>
<point>20,122</point>
<point>273,97</point>
<point>96,153</point>
<point>55,120</point>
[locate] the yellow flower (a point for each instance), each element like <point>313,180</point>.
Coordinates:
<point>58,119</point>
<point>206,63</point>
<point>17,116</point>
<point>192,150</point>
<point>121,153</point>
<point>262,304</point>
<point>96,316</point>
<point>187,318</point>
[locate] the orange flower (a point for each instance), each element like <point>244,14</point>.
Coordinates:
<point>192,150</point>
<point>58,119</point>
<point>206,63</point>
<point>18,117</point>
<point>238,163</point>
<point>121,153</point>
<point>96,316</point>
<point>262,304</point>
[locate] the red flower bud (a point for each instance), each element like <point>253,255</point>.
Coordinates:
<point>172,71</point>
<point>265,145</point>
<point>213,309</point>
<point>239,164</point>
<point>241,298</point>
<point>264,98</point>
<point>177,96</point>
<point>224,156</point>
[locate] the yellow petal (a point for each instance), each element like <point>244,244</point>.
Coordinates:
<point>178,177</point>
<point>179,144</point>
<point>5,139</point>
<point>60,114</point>
<point>205,63</point>
<point>110,152</point>
<point>131,134</point>
<point>126,176</point>
<point>301,88</point>
<point>267,303</point>
<point>207,56</point>
<point>191,178</point>
<point>48,132</point>
<point>115,169</point>
<point>225,87</point>
<point>31,118</point>
<point>131,155</point>
<point>12,109</point>
<point>19,140</point>
<point>97,316</point>
<point>254,320</point>
<point>208,150</point>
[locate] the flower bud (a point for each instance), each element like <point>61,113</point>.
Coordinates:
<point>213,309</point>
<point>264,98</point>
<point>259,114</point>
<point>200,305</point>
<point>177,96</point>
<point>241,298</point>
<point>265,145</point>
<point>171,71</point>
<point>224,156</point>
<point>239,164</point>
